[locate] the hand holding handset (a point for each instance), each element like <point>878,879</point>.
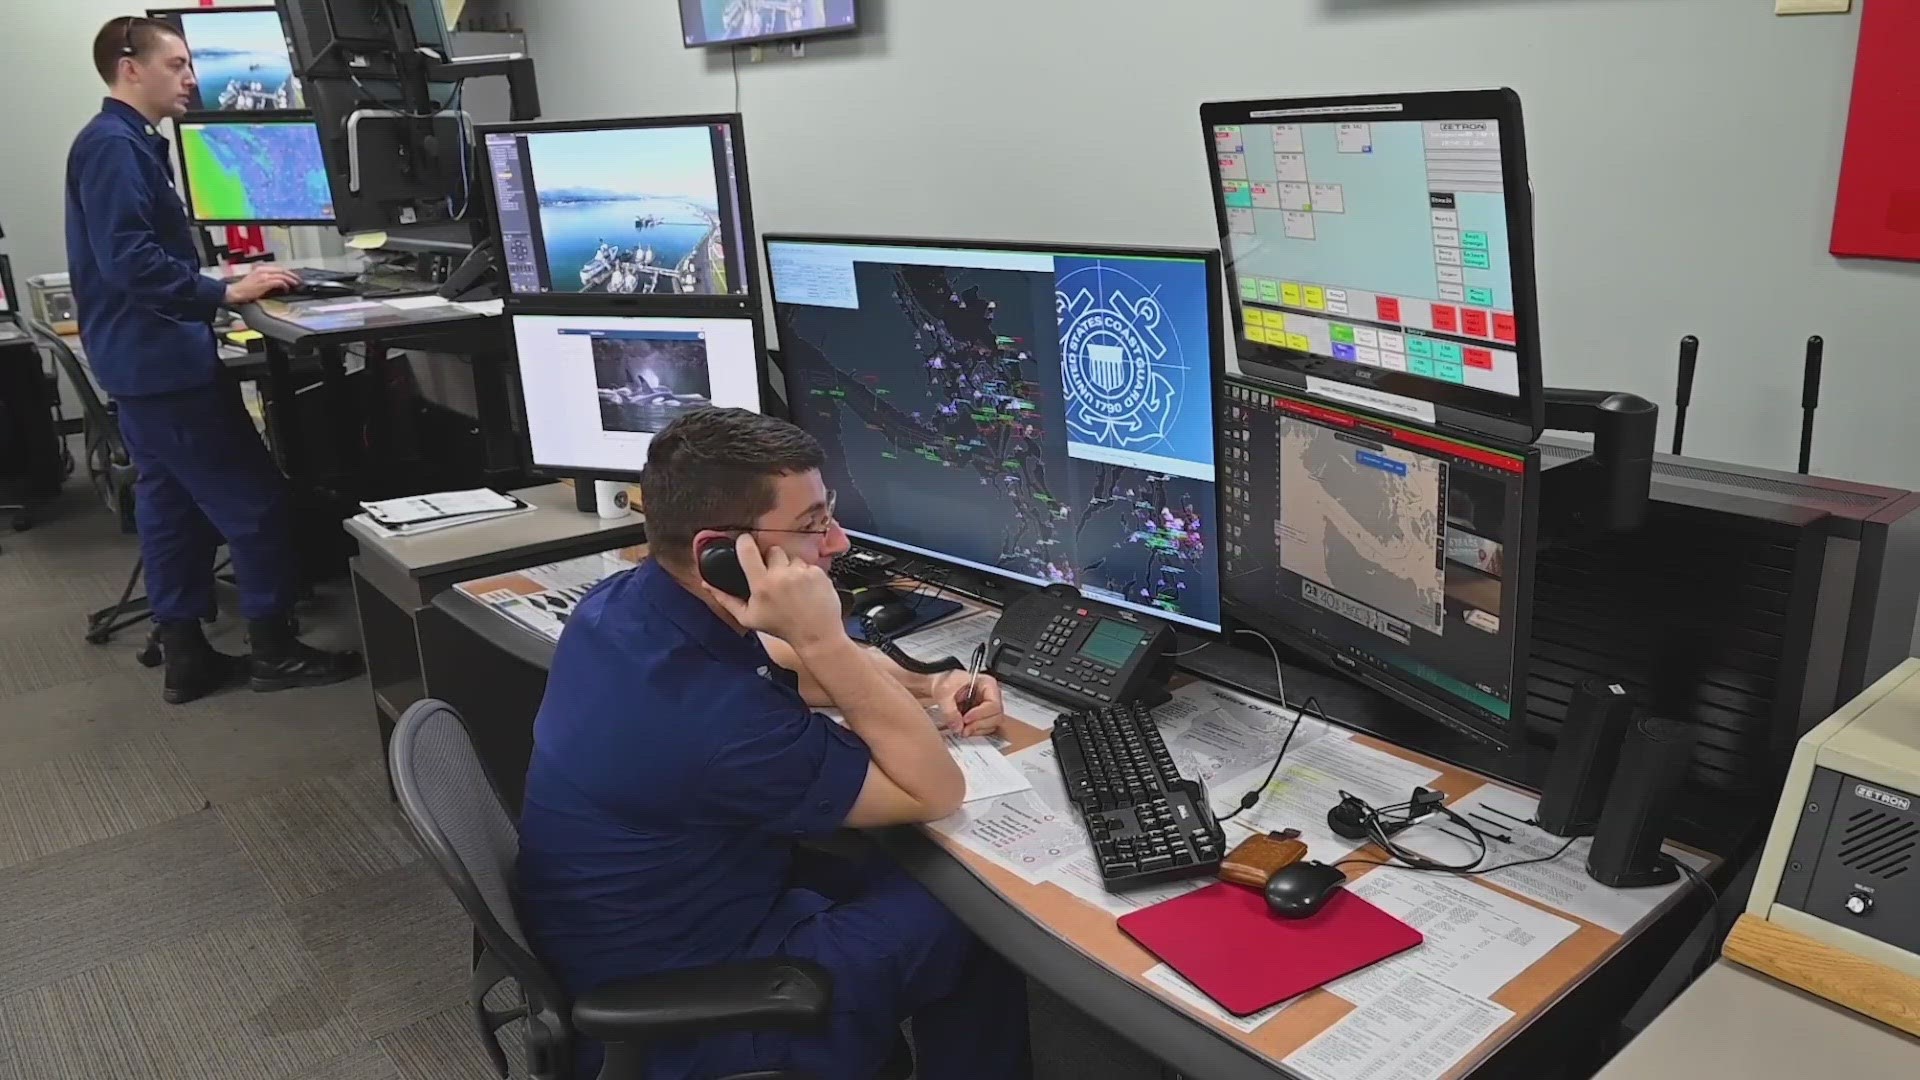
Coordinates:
<point>771,591</point>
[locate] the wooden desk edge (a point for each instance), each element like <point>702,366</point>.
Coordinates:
<point>1853,982</point>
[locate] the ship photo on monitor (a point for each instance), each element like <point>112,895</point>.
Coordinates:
<point>240,59</point>
<point>736,22</point>
<point>647,378</point>
<point>630,212</point>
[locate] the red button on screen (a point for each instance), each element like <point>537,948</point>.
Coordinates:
<point>1474,321</point>
<point>1446,317</point>
<point>1503,328</point>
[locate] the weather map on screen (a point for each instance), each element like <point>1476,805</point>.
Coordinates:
<point>255,172</point>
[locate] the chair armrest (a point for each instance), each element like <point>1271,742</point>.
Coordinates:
<point>779,993</point>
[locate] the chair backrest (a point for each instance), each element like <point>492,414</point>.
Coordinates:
<point>472,841</point>
<point>91,404</point>
<point>108,462</point>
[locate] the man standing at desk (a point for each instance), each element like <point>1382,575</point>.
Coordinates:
<point>146,315</point>
<point>678,758</point>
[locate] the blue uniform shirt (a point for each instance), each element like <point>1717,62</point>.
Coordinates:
<point>146,311</point>
<point>674,765</point>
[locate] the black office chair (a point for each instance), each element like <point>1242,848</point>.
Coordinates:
<point>465,829</point>
<point>111,470</point>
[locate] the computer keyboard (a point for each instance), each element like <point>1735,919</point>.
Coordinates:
<point>1148,824</point>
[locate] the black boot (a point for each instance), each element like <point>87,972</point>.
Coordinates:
<point>194,669</point>
<point>281,661</point>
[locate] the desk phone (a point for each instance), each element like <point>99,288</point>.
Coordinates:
<point>1081,653</point>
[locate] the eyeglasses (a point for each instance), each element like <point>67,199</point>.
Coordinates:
<point>830,524</point>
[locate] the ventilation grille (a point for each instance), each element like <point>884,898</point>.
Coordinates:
<point>1879,844</point>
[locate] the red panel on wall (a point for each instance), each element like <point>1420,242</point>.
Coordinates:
<point>1877,213</point>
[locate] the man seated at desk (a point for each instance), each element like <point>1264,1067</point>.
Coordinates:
<point>678,760</point>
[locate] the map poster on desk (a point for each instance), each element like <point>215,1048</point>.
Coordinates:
<point>540,598</point>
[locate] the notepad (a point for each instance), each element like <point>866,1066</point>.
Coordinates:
<point>1224,941</point>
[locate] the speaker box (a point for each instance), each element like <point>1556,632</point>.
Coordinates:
<point>1626,842</point>
<point>1583,765</point>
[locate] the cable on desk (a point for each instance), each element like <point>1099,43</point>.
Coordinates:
<point>1250,798</point>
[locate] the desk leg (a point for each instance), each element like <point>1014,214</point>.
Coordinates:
<point>283,423</point>
<point>345,434</point>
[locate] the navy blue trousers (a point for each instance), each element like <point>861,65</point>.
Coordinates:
<point>894,953</point>
<point>205,477</point>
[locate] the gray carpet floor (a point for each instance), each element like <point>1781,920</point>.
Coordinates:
<point>223,889</point>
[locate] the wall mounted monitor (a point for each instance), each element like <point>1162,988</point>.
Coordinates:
<point>237,170</point>
<point>1391,553</point>
<point>643,209</point>
<point>597,388</point>
<point>1379,252</point>
<point>1035,412</point>
<point>240,58</point>
<point>743,22</point>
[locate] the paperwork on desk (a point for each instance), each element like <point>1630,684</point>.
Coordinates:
<point>1560,882</point>
<point>416,510</point>
<point>1173,983</point>
<point>417,303</point>
<point>1476,940</point>
<point>541,597</point>
<point>1416,1030</point>
<point>1029,832</point>
<point>957,637</point>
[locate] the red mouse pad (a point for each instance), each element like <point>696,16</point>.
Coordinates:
<point>1224,940</point>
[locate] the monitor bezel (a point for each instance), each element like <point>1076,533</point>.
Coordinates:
<point>852,27</point>
<point>763,378</point>
<point>9,298</point>
<point>582,303</point>
<point>1217,360</point>
<point>1480,413</point>
<point>171,16</point>
<point>1503,736</point>
<point>236,118</point>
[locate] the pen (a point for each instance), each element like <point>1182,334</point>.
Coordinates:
<point>973,676</point>
<point>1509,817</point>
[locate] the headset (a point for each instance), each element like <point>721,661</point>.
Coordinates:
<point>126,36</point>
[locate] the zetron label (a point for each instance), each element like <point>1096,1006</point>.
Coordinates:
<point>1885,798</point>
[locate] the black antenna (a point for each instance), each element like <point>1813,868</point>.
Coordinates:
<point>1683,394</point>
<point>1810,399</point>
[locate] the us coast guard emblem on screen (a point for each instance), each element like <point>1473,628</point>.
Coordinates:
<point>1113,360</point>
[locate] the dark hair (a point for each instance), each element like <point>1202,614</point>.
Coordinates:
<point>714,467</point>
<point>128,35</point>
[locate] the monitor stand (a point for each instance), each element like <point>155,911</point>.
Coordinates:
<point>1608,490</point>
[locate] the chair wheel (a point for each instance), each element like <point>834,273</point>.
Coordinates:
<point>96,637</point>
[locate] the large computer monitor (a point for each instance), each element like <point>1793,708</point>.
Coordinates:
<point>742,22</point>
<point>1034,412</point>
<point>598,387</point>
<point>1399,556</point>
<point>655,207</point>
<point>240,58</point>
<point>240,170</point>
<point>1380,253</point>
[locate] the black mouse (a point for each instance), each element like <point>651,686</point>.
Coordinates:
<point>880,607</point>
<point>1299,890</point>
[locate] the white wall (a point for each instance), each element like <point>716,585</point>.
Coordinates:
<point>1683,154</point>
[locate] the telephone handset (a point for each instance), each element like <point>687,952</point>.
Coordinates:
<point>1079,652</point>
<point>720,567</point>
